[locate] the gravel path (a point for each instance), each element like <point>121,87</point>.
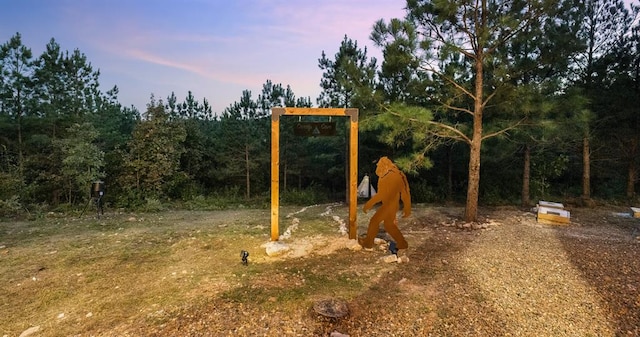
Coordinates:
<point>530,279</point>
<point>531,284</point>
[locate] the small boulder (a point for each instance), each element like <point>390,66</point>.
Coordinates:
<point>30,331</point>
<point>331,307</point>
<point>353,245</point>
<point>389,258</point>
<point>276,248</point>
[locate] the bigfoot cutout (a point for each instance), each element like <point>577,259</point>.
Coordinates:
<point>392,187</point>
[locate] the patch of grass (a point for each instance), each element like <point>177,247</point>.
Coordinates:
<point>98,273</point>
<point>308,196</point>
<point>84,275</point>
<point>290,285</point>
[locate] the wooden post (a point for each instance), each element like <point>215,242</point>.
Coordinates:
<point>353,173</point>
<point>275,173</point>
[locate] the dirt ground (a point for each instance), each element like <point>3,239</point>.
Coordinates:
<point>515,277</point>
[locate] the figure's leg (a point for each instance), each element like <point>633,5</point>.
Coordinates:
<point>372,231</point>
<point>391,226</point>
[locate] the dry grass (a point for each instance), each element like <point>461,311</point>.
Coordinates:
<point>71,275</point>
<point>87,276</point>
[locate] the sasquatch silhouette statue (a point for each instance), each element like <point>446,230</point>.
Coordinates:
<point>392,187</point>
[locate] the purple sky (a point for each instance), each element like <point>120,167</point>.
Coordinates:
<point>215,48</point>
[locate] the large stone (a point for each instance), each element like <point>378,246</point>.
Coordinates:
<point>276,248</point>
<point>353,245</point>
<point>30,331</point>
<point>331,307</point>
<point>389,258</point>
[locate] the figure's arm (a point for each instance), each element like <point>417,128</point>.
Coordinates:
<point>371,202</point>
<point>378,197</point>
<point>405,196</point>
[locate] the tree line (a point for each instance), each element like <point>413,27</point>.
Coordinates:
<point>543,95</point>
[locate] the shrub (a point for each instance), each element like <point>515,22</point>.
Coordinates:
<point>10,207</point>
<point>153,205</point>
<point>308,196</point>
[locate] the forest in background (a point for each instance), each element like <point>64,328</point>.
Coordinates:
<point>543,95</point>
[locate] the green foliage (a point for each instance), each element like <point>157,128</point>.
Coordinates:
<point>10,207</point>
<point>202,203</point>
<point>348,80</point>
<point>228,198</point>
<point>181,187</point>
<point>153,205</point>
<point>10,184</point>
<point>16,66</point>
<point>154,151</point>
<point>311,195</point>
<point>113,122</point>
<point>401,78</point>
<point>82,161</point>
<point>405,127</point>
<point>545,171</point>
<point>244,142</point>
<point>554,74</point>
<point>127,199</point>
<point>424,192</point>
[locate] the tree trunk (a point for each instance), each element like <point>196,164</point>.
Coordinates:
<point>450,173</point>
<point>632,171</point>
<point>526,176</point>
<point>19,119</point>
<point>471,209</point>
<point>137,171</point>
<point>247,171</point>
<point>586,169</point>
<point>631,180</point>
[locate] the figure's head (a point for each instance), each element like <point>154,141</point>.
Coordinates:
<point>384,165</point>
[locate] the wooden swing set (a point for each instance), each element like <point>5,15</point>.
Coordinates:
<point>275,160</point>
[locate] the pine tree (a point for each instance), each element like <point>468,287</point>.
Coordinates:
<point>16,90</point>
<point>460,44</point>
<point>82,160</point>
<point>604,23</point>
<point>348,80</point>
<point>154,151</point>
<point>244,135</point>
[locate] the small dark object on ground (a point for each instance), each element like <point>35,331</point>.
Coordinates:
<point>393,248</point>
<point>245,257</point>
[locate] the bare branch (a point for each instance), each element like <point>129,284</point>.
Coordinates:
<point>452,134</point>
<point>448,79</point>
<point>484,104</point>
<point>455,108</point>
<point>521,26</point>
<point>497,133</point>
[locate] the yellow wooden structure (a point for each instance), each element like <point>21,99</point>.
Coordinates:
<point>553,213</point>
<point>275,160</point>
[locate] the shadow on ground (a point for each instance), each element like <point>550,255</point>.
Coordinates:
<point>601,244</point>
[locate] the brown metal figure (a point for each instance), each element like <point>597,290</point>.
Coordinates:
<point>392,187</point>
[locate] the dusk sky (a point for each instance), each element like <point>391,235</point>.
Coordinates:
<point>215,48</point>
